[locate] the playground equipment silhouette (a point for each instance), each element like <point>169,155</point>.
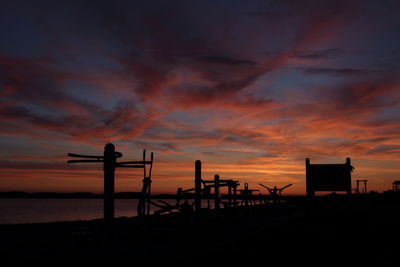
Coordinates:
<point>205,196</point>
<point>218,220</point>
<point>203,190</point>
<point>361,187</point>
<point>275,193</point>
<point>109,160</point>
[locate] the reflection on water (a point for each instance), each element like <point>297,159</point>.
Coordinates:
<point>28,210</point>
<point>51,210</point>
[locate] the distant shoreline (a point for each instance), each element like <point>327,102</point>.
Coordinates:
<point>77,195</point>
<point>88,195</point>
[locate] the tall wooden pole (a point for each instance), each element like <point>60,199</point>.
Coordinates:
<point>245,194</point>
<point>216,191</point>
<point>348,173</point>
<point>197,185</point>
<point>309,183</point>
<point>109,170</point>
<point>234,195</point>
<point>230,194</point>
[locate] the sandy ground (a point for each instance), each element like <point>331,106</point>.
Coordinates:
<point>361,231</point>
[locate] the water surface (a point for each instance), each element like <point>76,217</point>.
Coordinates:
<point>28,210</point>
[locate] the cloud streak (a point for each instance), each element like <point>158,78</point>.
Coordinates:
<point>252,90</point>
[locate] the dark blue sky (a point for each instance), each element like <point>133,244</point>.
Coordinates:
<point>250,87</point>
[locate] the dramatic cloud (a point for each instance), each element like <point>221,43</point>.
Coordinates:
<point>251,88</point>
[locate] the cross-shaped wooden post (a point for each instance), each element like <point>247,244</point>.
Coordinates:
<point>109,160</point>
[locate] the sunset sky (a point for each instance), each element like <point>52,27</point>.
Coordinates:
<point>250,88</point>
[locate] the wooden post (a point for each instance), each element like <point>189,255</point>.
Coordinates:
<point>309,183</point>
<point>216,192</point>
<point>149,181</point>
<point>245,195</point>
<point>197,185</point>
<point>234,195</point>
<point>348,173</point>
<point>365,186</point>
<point>109,169</point>
<point>230,194</point>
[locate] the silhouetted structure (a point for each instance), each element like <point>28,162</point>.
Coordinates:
<point>109,163</point>
<point>328,177</point>
<point>202,190</point>
<point>197,185</point>
<point>396,186</point>
<point>143,206</point>
<point>217,184</point>
<point>178,206</point>
<point>363,188</point>
<point>109,160</point>
<point>247,195</point>
<point>232,190</point>
<point>275,193</point>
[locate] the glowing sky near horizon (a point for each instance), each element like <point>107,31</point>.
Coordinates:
<point>251,88</point>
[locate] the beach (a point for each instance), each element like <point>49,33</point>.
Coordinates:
<point>330,232</point>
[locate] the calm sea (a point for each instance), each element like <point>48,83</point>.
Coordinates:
<point>13,211</point>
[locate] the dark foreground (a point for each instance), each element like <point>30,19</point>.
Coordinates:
<point>333,231</point>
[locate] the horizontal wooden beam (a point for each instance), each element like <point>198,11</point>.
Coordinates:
<point>129,166</point>
<point>84,156</point>
<point>135,162</point>
<point>248,190</point>
<point>84,160</point>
